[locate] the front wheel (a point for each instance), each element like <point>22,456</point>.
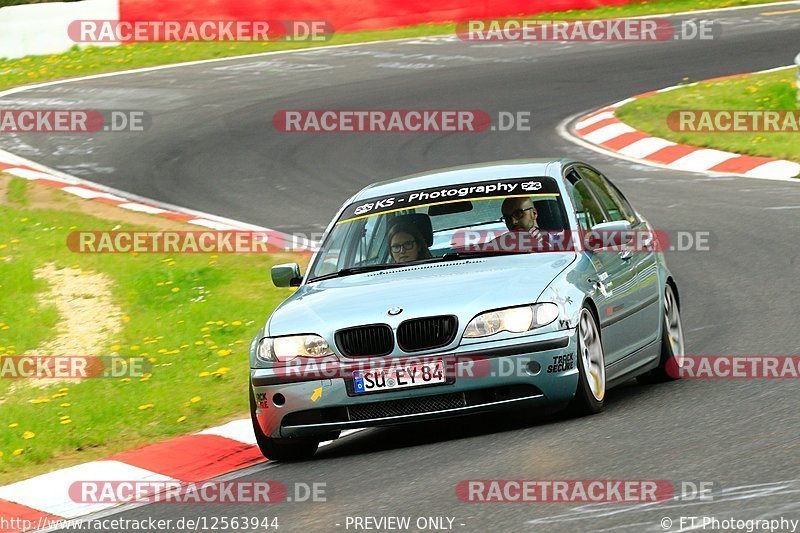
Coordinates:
<point>280,449</point>
<point>672,345</point>
<point>591,390</point>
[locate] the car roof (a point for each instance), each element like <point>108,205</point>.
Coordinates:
<point>515,168</point>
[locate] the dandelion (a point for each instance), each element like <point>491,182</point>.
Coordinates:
<point>195,399</point>
<point>135,347</point>
<point>15,424</point>
<point>125,380</point>
<point>65,422</point>
<point>17,452</point>
<point>39,400</point>
<point>223,353</point>
<point>63,390</point>
<point>28,435</point>
<point>236,323</point>
<point>145,406</point>
<point>181,419</point>
<point>199,343</point>
<point>176,289</point>
<point>64,404</point>
<point>204,374</point>
<point>116,348</point>
<point>65,417</point>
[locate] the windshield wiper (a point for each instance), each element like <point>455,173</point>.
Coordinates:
<point>455,256</point>
<point>354,270</point>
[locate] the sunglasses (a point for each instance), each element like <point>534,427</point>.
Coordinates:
<point>517,214</point>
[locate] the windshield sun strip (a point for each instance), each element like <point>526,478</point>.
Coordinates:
<point>406,208</point>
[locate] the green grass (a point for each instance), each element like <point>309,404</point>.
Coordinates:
<point>770,91</point>
<point>196,338</point>
<point>94,60</point>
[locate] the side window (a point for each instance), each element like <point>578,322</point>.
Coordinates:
<point>615,204</point>
<point>586,207</point>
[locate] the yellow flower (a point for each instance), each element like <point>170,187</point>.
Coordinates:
<point>39,400</point>
<point>13,425</point>
<point>199,343</point>
<point>64,405</point>
<point>65,417</point>
<point>204,374</point>
<point>195,399</point>
<point>236,323</point>
<point>145,406</point>
<point>135,347</point>
<point>181,419</point>
<point>63,390</point>
<point>17,452</point>
<point>125,380</point>
<point>59,395</point>
<point>116,348</point>
<point>67,421</point>
<point>204,328</point>
<point>175,289</point>
<point>28,435</point>
<point>220,322</point>
<point>126,318</point>
<point>223,353</point>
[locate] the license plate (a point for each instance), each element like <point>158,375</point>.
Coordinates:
<point>399,377</point>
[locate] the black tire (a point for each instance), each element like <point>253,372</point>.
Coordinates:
<point>668,368</point>
<point>296,449</point>
<point>586,401</point>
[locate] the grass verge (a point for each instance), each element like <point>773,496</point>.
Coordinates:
<point>191,316</point>
<point>95,60</point>
<point>769,91</point>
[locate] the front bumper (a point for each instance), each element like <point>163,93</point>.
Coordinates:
<point>292,406</point>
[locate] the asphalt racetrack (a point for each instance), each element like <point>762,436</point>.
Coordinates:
<point>212,147</point>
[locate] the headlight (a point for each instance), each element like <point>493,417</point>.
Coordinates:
<point>515,320</point>
<point>287,348</point>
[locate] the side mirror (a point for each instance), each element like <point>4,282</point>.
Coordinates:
<point>286,275</point>
<point>609,235</point>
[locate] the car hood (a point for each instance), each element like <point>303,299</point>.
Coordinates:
<point>463,288</point>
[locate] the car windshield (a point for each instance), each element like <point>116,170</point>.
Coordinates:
<point>436,224</point>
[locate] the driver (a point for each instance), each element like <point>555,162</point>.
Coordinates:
<point>521,220</point>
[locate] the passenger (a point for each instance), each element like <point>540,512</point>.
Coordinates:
<point>407,244</point>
